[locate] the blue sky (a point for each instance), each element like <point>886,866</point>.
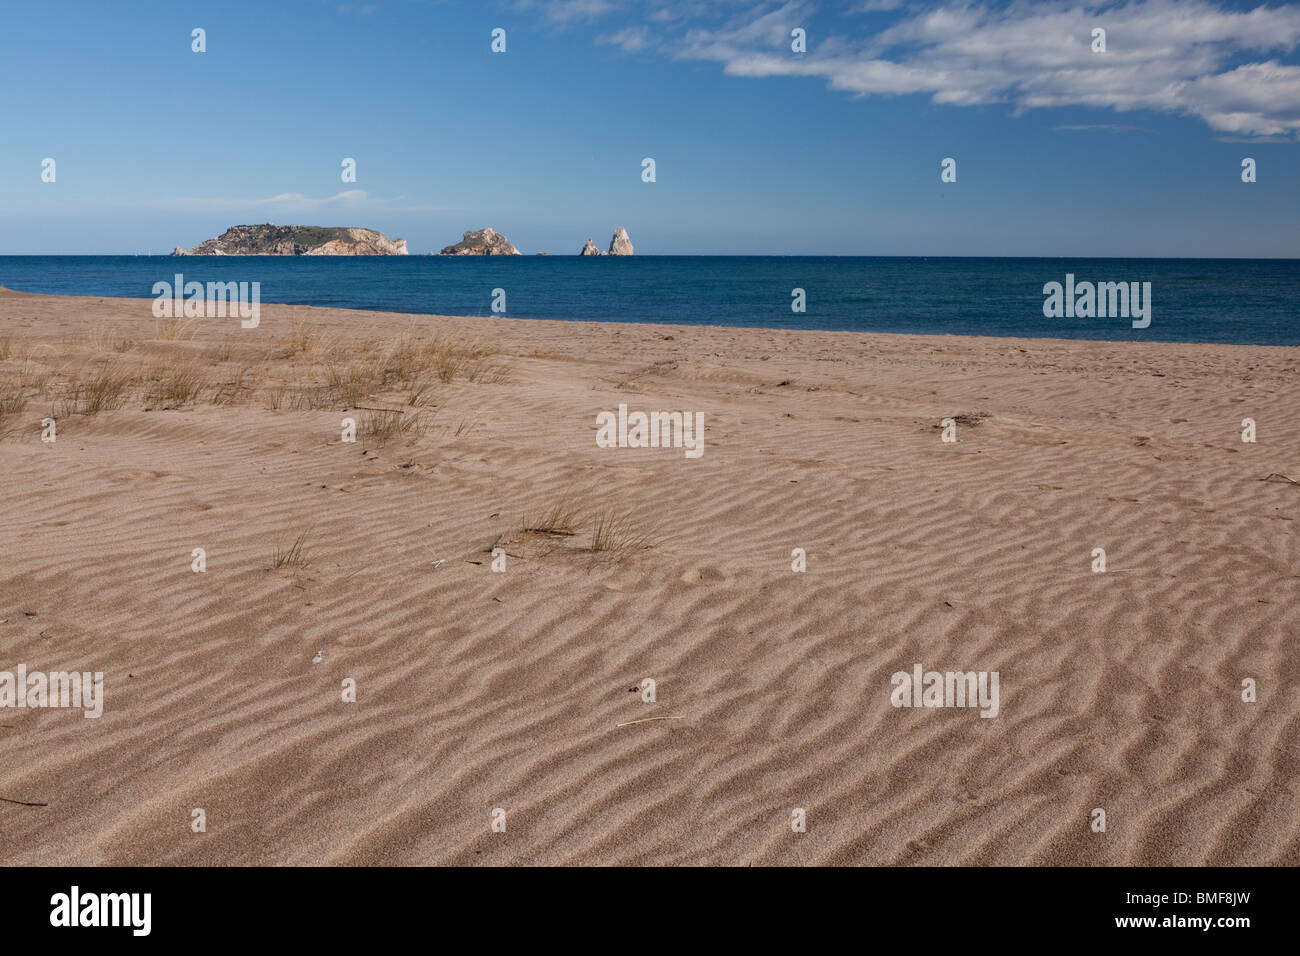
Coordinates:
<point>758,149</point>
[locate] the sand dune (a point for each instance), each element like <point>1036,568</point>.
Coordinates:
<point>479,690</point>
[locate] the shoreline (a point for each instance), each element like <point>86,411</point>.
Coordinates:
<point>675,327</point>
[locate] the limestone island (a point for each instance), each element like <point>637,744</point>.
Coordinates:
<point>481,242</point>
<point>269,240</point>
<point>620,245</point>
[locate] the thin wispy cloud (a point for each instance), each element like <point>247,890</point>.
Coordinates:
<point>1186,57</point>
<point>564,12</point>
<point>357,199</point>
<point>631,40</point>
<point>1103,127</point>
<point>286,200</point>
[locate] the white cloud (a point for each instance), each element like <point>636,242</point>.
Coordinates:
<point>1177,56</point>
<point>564,12</point>
<point>631,40</point>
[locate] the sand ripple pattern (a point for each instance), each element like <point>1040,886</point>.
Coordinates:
<point>479,690</point>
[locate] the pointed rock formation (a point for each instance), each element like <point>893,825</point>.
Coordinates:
<point>589,249</point>
<point>620,245</point>
<point>481,242</point>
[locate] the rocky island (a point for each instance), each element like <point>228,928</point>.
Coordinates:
<point>481,242</point>
<point>269,240</point>
<point>619,245</point>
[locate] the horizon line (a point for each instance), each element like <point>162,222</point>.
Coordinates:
<point>672,255</point>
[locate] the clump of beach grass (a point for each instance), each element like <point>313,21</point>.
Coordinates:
<point>105,390</point>
<point>12,401</point>
<point>295,557</point>
<point>420,396</point>
<point>177,329</point>
<point>34,376</point>
<point>614,533</point>
<point>228,393</point>
<point>175,385</point>
<point>478,371</point>
<point>300,338</point>
<point>464,427</point>
<point>103,338</point>
<point>223,350</point>
<point>559,520</point>
<point>353,384</point>
<point>385,424</point>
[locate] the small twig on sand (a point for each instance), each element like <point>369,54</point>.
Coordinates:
<point>24,803</point>
<point>1278,474</point>
<point>628,723</point>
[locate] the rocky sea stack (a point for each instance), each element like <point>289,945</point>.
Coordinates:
<point>589,249</point>
<point>481,242</point>
<point>269,240</point>
<point>620,245</point>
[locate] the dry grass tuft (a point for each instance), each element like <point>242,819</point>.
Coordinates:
<point>301,338</point>
<point>420,397</point>
<point>385,424</point>
<point>177,329</point>
<point>106,390</point>
<point>614,533</point>
<point>222,351</point>
<point>295,557</point>
<point>174,386</point>
<point>481,372</point>
<point>560,520</point>
<point>12,401</point>
<point>353,384</point>
<point>33,375</point>
<point>104,338</point>
<point>229,393</point>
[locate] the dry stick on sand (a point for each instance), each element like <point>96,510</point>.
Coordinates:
<point>1278,474</point>
<point>643,720</point>
<point>24,803</point>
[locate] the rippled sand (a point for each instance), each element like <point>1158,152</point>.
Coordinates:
<point>479,690</point>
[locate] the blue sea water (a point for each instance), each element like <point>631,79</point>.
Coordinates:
<point>1243,301</point>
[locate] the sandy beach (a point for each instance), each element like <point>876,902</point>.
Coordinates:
<point>524,691</point>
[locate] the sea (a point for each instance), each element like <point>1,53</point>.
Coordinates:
<point>1235,301</point>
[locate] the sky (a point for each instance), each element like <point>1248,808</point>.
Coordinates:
<point>758,148</point>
